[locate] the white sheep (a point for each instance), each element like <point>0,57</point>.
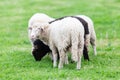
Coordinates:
<point>41,18</point>
<point>92,38</point>
<point>60,35</point>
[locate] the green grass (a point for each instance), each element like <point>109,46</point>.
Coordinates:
<point>16,62</point>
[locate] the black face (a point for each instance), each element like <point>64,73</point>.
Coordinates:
<point>36,54</point>
<point>40,50</point>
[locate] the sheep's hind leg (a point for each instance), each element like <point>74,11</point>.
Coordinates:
<point>93,43</point>
<point>80,53</point>
<point>79,59</point>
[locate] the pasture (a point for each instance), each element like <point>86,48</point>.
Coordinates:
<point>16,61</point>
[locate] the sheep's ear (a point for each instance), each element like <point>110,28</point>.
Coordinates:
<point>46,25</point>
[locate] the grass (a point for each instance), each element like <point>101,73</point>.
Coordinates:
<point>16,62</point>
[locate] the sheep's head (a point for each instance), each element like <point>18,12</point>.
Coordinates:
<point>40,50</point>
<point>37,31</point>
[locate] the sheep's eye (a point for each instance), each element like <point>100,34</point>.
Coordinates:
<point>30,28</point>
<point>39,28</point>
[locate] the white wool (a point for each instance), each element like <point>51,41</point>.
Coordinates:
<point>39,17</point>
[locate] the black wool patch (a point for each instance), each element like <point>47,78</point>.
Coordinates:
<point>40,50</point>
<point>57,19</point>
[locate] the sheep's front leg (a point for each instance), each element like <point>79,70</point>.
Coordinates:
<point>54,53</point>
<point>51,56</point>
<point>54,58</point>
<point>66,59</point>
<point>62,58</point>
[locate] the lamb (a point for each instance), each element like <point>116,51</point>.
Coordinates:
<point>42,49</point>
<point>92,38</point>
<point>59,36</point>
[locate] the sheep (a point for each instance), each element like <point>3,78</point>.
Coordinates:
<point>42,49</point>
<point>59,36</point>
<point>92,38</point>
<point>88,38</point>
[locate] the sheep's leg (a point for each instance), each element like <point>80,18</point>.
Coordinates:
<point>93,42</point>
<point>62,58</point>
<point>54,58</point>
<point>54,53</point>
<point>66,59</point>
<point>51,56</point>
<point>74,49</point>
<point>80,52</point>
<point>79,62</point>
<point>87,41</point>
<point>76,55</point>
